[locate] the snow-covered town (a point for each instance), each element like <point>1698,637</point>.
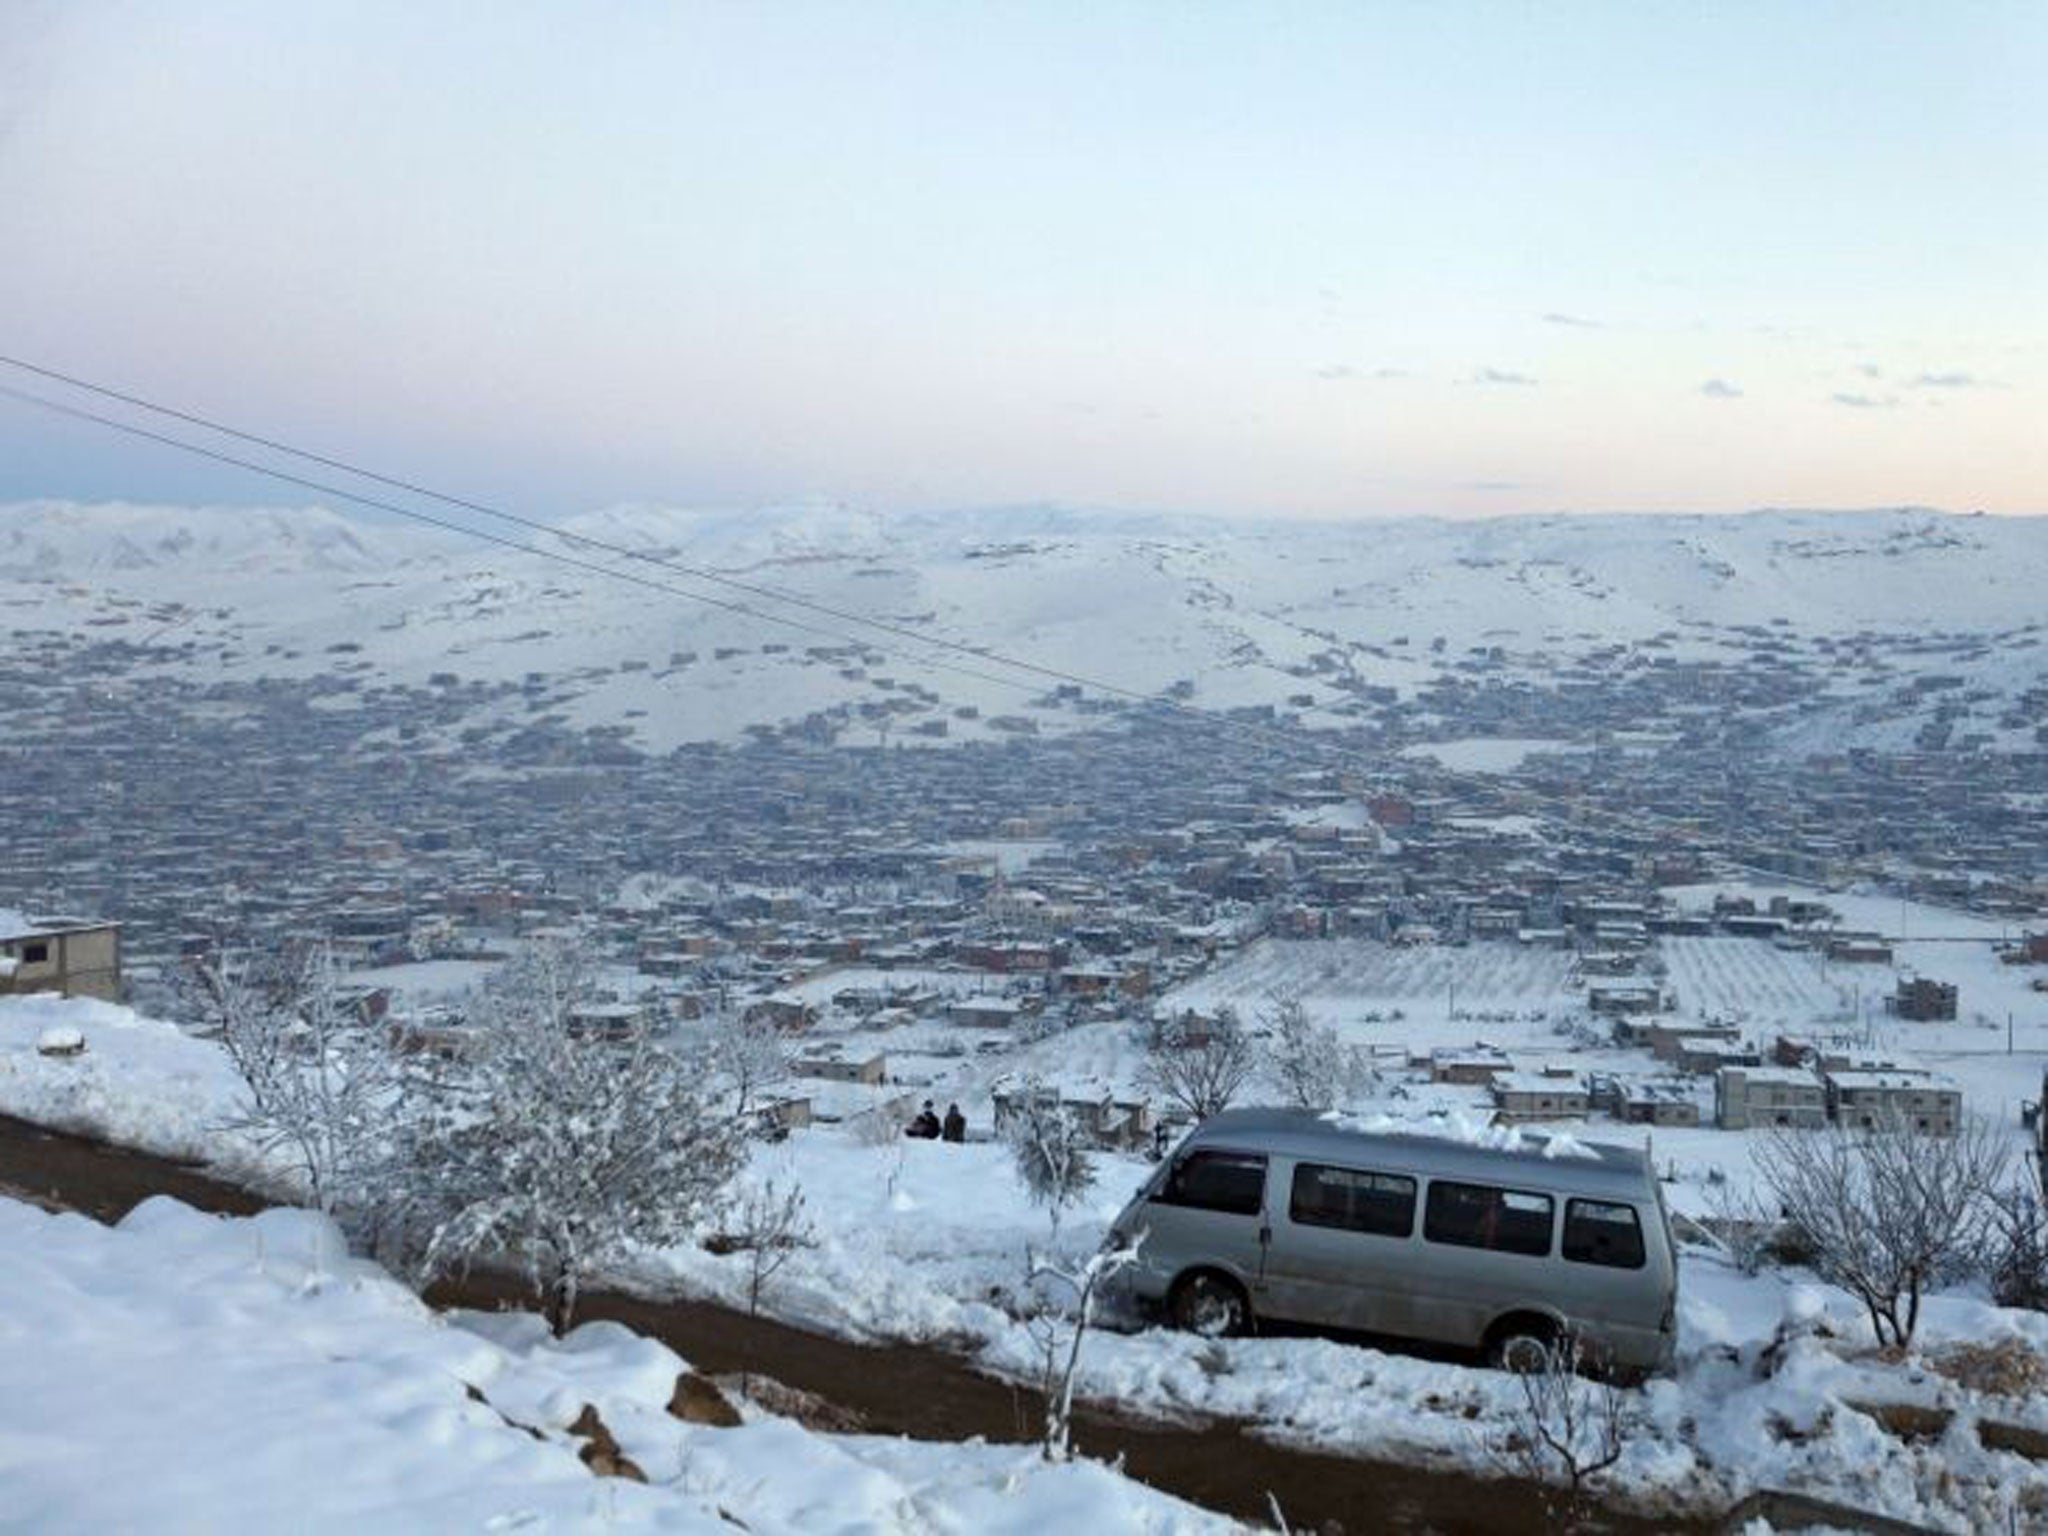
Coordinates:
<point>1133,770</point>
<point>1474,982</point>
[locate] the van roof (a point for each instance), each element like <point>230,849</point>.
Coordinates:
<point>1543,1161</point>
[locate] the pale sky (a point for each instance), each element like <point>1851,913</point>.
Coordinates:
<point>1315,260</point>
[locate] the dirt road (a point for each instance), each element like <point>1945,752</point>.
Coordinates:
<point>921,1392</point>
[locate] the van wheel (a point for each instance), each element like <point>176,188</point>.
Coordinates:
<point>1212,1305</point>
<point>1524,1344</point>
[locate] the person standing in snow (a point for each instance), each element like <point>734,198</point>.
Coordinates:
<point>956,1124</point>
<point>926,1126</point>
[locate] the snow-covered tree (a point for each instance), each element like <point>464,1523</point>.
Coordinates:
<point>1201,1065</point>
<point>1050,1150</point>
<point>319,1083</point>
<point>749,1056</point>
<point>561,1151</point>
<point>1313,1068</point>
<point>1886,1211</point>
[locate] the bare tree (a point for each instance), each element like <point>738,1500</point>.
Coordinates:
<point>1201,1066</point>
<point>768,1225</point>
<point>1050,1150</point>
<point>2015,1255</point>
<point>562,1151</point>
<point>1741,1224</point>
<point>319,1083</point>
<point>1566,1429</point>
<point>1315,1070</point>
<point>1886,1211</point>
<point>1085,1281</point>
<point>748,1055</point>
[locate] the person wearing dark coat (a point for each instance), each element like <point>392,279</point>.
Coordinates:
<point>955,1128</point>
<point>926,1126</point>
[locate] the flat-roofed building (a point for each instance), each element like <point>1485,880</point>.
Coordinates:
<point>1750,1097</point>
<point>1520,1096</point>
<point>1915,1101</point>
<point>72,956</point>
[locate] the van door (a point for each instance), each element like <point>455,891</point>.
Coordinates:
<point>1343,1251</point>
<point>1211,1210</point>
<point>1618,1272</point>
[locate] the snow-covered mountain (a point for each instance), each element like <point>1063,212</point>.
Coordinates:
<point>65,538</point>
<point>1302,615</point>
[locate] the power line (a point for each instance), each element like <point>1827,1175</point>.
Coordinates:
<point>718,578</point>
<point>1271,737</point>
<point>81,414</point>
<point>1291,745</point>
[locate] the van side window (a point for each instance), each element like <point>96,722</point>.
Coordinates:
<point>1383,1203</point>
<point>1480,1216</point>
<point>1218,1181</point>
<point>1596,1232</point>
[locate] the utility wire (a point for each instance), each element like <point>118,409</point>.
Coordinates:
<point>1296,748</point>
<point>81,414</point>
<point>1292,746</point>
<point>699,573</point>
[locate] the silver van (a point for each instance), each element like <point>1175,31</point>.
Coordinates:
<point>1275,1214</point>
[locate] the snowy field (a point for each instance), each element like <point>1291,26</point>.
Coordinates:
<point>1342,980</point>
<point>183,1372</point>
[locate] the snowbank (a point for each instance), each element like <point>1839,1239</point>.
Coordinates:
<point>139,1081</point>
<point>188,1373</point>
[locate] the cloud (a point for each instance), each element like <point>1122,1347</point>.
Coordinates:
<point>1870,370</point>
<point>1865,402</point>
<point>1720,389</point>
<point>1501,376</point>
<point>1339,372</point>
<point>1946,381</point>
<point>1576,322</point>
<point>1490,485</point>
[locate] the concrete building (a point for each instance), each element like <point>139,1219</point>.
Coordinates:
<point>1917,1101</point>
<point>1749,1097</point>
<point>1520,1096</point>
<point>73,956</point>
<point>1923,1000</point>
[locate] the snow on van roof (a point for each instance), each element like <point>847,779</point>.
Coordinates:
<point>1457,1126</point>
<point>1455,1130</point>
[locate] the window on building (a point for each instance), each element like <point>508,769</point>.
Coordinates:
<point>35,954</point>
<point>1380,1203</point>
<point>1600,1232</point>
<point>1480,1216</point>
<point>1232,1182</point>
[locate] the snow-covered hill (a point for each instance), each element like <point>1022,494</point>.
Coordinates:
<point>1244,612</point>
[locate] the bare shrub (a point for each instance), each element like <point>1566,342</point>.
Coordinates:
<point>2015,1257</point>
<point>1887,1212</point>
<point>1085,1282</point>
<point>1201,1066</point>
<point>1742,1224</point>
<point>1566,1430</point>
<point>768,1225</point>
<point>748,1057</point>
